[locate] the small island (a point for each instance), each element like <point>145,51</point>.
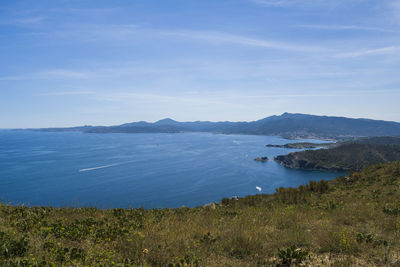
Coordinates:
<point>261,159</point>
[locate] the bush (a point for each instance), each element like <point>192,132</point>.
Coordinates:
<point>292,255</point>
<point>10,247</point>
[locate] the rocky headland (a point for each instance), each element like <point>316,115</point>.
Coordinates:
<point>345,157</point>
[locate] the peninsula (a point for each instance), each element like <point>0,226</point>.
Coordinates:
<point>345,156</point>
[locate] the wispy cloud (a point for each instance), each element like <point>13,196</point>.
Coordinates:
<point>63,74</point>
<point>99,12</point>
<point>223,38</point>
<point>12,78</point>
<point>24,21</point>
<point>346,28</point>
<point>319,95</point>
<point>301,3</point>
<point>132,97</point>
<point>127,33</point>
<point>370,52</point>
<point>272,2</point>
<point>217,99</point>
<point>67,93</point>
<point>50,75</point>
<point>29,20</point>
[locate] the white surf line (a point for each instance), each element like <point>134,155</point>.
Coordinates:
<point>100,167</point>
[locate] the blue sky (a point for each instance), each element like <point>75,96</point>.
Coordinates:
<point>76,62</point>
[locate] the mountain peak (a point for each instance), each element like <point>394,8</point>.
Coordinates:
<point>286,114</point>
<point>166,121</point>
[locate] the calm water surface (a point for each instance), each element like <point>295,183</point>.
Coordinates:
<point>133,170</point>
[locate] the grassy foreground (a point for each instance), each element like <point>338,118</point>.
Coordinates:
<point>349,221</point>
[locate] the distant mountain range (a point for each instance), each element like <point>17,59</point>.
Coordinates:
<point>287,125</point>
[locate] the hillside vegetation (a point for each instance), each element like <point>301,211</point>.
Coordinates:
<point>349,221</point>
<point>345,156</point>
<point>378,140</point>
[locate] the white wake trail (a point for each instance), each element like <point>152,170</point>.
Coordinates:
<point>100,167</point>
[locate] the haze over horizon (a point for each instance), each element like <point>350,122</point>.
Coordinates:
<point>69,63</point>
<point>173,120</point>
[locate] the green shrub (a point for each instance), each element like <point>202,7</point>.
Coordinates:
<point>11,247</point>
<point>292,255</point>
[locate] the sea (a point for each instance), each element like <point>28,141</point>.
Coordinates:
<point>150,170</point>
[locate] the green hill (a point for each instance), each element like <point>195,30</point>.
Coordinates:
<point>379,140</point>
<point>352,220</point>
<point>345,156</point>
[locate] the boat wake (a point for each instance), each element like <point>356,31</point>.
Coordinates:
<point>100,167</point>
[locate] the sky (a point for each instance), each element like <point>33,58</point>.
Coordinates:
<point>101,62</point>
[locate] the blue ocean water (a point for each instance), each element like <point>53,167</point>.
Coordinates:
<point>139,170</point>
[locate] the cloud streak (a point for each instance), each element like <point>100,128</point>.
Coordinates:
<point>224,38</point>
<point>55,74</point>
<point>277,3</point>
<point>297,3</point>
<point>346,28</point>
<point>24,21</point>
<point>126,33</point>
<point>370,52</point>
<point>68,93</point>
